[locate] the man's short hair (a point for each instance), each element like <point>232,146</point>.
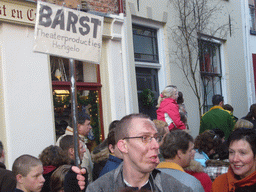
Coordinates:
<point>67,142</point>
<point>111,138</point>
<point>123,126</point>
<point>81,118</point>
<point>216,99</point>
<point>23,164</point>
<point>174,141</point>
<point>112,125</point>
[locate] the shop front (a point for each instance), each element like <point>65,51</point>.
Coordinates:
<point>35,87</point>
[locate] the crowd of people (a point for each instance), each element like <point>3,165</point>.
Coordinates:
<point>141,154</point>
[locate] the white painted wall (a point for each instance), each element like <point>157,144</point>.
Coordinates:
<point>27,93</point>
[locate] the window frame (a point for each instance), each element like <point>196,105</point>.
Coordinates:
<point>94,86</point>
<point>210,74</point>
<point>154,39</point>
<point>158,66</point>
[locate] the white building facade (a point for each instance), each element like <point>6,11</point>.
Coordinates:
<point>135,55</point>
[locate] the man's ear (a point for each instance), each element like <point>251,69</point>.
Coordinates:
<point>122,146</point>
<point>111,148</point>
<point>71,152</point>
<point>180,153</point>
<point>19,178</point>
<point>78,128</point>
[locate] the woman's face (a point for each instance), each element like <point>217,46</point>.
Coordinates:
<point>175,95</point>
<point>241,158</point>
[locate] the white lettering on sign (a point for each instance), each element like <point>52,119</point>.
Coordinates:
<point>68,33</point>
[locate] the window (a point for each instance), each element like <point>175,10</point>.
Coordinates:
<point>210,67</point>
<point>145,44</point>
<point>147,79</point>
<point>145,55</point>
<point>88,94</point>
<point>252,17</point>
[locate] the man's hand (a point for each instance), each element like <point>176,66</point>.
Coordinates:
<point>80,177</point>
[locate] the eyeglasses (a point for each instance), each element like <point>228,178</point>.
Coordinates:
<point>146,139</point>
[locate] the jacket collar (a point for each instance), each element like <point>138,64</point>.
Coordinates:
<point>169,165</point>
<point>170,99</point>
<point>69,131</point>
<point>216,107</point>
<point>119,183</point>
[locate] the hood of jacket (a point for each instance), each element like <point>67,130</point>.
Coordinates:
<point>100,155</point>
<point>194,166</point>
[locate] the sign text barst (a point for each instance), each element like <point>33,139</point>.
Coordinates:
<point>68,33</point>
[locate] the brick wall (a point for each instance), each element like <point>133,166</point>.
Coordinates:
<point>105,6</point>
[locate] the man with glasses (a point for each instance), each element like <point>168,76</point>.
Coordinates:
<point>137,140</point>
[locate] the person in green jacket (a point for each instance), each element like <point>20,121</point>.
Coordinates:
<point>217,117</point>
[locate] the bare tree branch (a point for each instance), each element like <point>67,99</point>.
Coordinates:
<point>195,17</point>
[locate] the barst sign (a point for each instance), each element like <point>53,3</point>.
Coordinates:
<point>68,33</point>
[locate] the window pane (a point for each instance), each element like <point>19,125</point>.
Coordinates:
<point>87,101</point>
<point>210,57</point>
<point>252,18</point>
<point>217,85</point>
<point>147,79</point>
<point>145,44</point>
<point>211,86</point>
<point>85,72</point>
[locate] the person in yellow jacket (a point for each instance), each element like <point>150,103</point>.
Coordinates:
<point>217,117</point>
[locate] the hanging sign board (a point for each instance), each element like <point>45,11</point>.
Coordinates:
<point>68,33</point>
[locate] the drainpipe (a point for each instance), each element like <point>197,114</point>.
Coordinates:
<point>120,6</point>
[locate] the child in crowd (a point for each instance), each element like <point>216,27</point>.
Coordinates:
<point>28,171</point>
<point>168,109</point>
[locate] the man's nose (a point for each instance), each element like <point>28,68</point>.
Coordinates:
<point>154,144</point>
<point>42,179</point>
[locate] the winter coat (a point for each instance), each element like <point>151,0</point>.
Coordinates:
<point>7,179</point>
<point>228,182</point>
<point>169,112</point>
<point>196,169</point>
<point>178,173</point>
<point>48,171</point>
<point>112,163</point>
<point>113,182</point>
<point>217,117</point>
<point>100,156</point>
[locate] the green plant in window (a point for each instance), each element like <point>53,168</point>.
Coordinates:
<point>92,100</point>
<point>147,97</point>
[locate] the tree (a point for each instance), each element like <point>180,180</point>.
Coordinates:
<point>195,20</point>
